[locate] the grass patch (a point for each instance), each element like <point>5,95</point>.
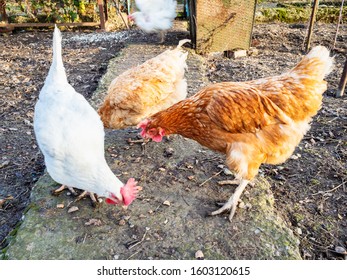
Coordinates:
<point>293,14</point>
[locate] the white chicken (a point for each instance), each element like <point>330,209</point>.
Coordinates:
<point>70,135</point>
<point>155,16</point>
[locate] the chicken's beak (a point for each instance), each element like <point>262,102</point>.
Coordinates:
<point>112,199</point>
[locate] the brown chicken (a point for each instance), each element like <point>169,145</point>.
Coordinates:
<point>254,122</point>
<point>146,89</point>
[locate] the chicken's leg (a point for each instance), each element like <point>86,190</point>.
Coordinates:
<point>64,187</point>
<point>161,37</point>
<point>233,200</point>
<point>92,196</point>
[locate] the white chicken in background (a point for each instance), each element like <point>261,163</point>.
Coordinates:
<point>70,135</point>
<point>155,16</point>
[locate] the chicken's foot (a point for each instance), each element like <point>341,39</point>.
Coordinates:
<point>92,196</point>
<point>64,187</point>
<point>233,201</point>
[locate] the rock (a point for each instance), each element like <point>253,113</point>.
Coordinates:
<point>72,209</point>
<point>241,204</point>
<point>167,203</point>
<point>252,51</point>
<point>60,206</point>
<point>236,54</point>
<point>4,163</point>
<point>199,255</point>
<point>227,172</point>
<point>340,250</point>
<point>298,230</point>
<point>169,152</point>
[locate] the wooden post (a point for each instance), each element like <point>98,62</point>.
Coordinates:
<point>310,29</point>
<point>3,10</point>
<point>343,81</point>
<point>105,10</point>
<point>338,23</point>
<point>192,21</point>
<point>102,15</point>
<point>116,4</point>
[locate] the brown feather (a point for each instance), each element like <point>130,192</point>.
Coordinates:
<point>260,121</point>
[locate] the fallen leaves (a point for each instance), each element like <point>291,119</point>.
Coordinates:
<point>93,222</point>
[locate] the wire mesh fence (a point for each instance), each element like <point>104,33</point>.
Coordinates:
<point>308,13</point>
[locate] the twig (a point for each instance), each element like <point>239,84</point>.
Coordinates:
<point>203,183</point>
<point>84,239</point>
<point>120,14</point>
<point>338,23</point>
<point>328,191</point>
<point>185,200</point>
<point>135,141</point>
<point>133,254</point>
<point>133,244</point>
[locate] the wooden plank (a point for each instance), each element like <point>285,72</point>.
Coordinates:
<point>49,24</point>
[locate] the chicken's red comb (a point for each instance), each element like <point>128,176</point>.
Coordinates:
<point>129,191</point>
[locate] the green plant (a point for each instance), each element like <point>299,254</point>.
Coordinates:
<point>56,11</point>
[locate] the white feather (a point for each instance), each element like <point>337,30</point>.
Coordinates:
<point>155,15</point>
<point>70,134</point>
<point>324,55</point>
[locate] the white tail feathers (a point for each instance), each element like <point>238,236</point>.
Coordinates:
<point>323,66</point>
<point>57,71</point>
<point>182,42</point>
<point>57,57</point>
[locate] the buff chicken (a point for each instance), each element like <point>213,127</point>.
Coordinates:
<point>145,89</point>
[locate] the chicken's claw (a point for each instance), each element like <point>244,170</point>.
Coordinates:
<point>233,201</point>
<point>62,188</point>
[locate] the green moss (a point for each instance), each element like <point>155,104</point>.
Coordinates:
<point>315,181</point>
<point>298,217</point>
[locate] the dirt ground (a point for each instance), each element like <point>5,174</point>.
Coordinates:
<point>309,189</point>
